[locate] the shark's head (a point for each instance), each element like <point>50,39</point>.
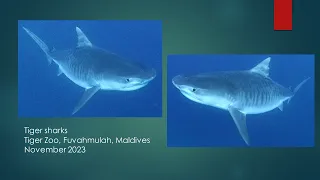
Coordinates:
<point>128,79</point>
<point>138,80</point>
<point>209,90</point>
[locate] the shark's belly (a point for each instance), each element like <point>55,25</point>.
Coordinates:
<point>259,109</point>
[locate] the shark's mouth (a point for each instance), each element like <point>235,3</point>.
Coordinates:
<point>190,96</point>
<point>138,85</point>
<point>146,81</point>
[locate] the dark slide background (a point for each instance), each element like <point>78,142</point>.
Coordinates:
<point>189,27</point>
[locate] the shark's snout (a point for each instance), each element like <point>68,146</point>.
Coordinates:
<point>153,74</point>
<point>178,81</point>
<point>149,75</point>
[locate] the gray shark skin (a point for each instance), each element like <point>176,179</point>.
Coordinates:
<point>95,69</point>
<point>239,92</point>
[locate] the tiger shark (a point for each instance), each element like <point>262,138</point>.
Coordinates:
<point>239,92</point>
<point>94,68</point>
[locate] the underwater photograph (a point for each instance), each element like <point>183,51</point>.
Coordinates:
<point>240,101</point>
<point>89,68</point>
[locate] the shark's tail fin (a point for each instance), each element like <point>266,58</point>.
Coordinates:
<point>298,87</point>
<point>42,45</point>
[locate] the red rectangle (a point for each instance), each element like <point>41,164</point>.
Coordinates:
<point>282,15</point>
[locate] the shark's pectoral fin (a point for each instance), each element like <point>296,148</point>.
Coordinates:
<point>281,106</point>
<point>82,39</point>
<point>85,97</point>
<point>59,72</point>
<point>240,120</point>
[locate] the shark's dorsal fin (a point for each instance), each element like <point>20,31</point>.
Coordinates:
<point>262,68</point>
<point>82,39</point>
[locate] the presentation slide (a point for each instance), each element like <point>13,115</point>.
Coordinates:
<point>160,90</point>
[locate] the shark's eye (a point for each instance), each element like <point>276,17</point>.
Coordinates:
<point>194,90</point>
<point>128,80</point>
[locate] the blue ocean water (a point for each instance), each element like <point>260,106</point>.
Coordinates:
<point>195,125</point>
<point>44,94</point>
